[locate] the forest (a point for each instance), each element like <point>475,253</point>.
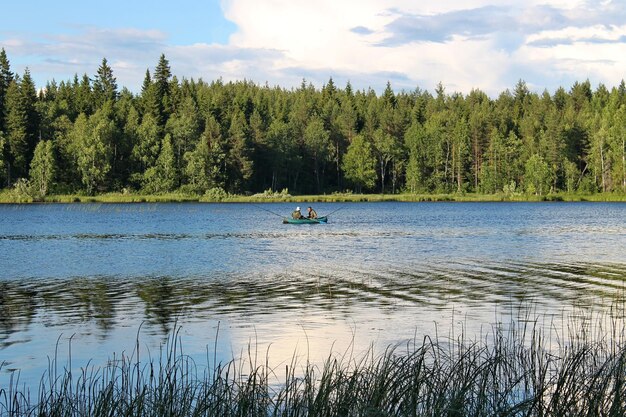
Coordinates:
<point>88,136</point>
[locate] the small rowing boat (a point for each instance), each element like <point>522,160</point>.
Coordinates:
<point>305,220</point>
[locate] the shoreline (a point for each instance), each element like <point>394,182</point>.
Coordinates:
<point>7,197</point>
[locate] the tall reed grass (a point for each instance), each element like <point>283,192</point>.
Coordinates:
<point>518,370</point>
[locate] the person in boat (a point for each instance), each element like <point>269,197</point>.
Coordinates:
<point>297,214</point>
<point>312,214</point>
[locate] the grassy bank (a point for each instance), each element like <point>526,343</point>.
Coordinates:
<point>515,372</point>
<point>7,196</point>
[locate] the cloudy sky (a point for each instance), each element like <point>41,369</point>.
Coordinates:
<point>465,44</point>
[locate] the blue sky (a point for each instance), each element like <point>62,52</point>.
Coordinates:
<point>465,44</point>
<point>184,21</point>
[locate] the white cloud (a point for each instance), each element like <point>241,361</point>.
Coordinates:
<point>346,37</point>
<point>486,44</point>
<point>596,33</point>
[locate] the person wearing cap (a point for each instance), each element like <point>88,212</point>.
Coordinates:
<point>312,213</point>
<point>297,214</point>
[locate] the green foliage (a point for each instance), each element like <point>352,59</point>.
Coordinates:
<point>244,137</point>
<point>215,194</point>
<point>510,189</point>
<point>239,162</point>
<point>148,145</point>
<point>359,164</point>
<point>185,127</point>
<point>414,141</point>
<point>162,75</point>
<point>3,165</point>
<point>104,85</point>
<point>93,148</point>
<point>162,177</point>
<point>20,192</point>
<point>204,166</point>
<point>43,168</point>
<point>537,177</point>
<point>6,76</point>
<point>21,123</point>
<point>317,142</point>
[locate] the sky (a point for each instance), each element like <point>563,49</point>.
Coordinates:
<point>464,44</point>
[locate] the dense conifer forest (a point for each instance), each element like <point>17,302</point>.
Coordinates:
<point>88,135</point>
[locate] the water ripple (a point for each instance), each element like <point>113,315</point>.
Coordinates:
<point>161,300</point>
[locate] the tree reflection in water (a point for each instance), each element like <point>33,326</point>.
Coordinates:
<point>100,304</point>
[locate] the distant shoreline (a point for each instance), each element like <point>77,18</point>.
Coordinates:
<point>8,198</point>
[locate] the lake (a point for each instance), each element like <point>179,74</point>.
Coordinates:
<point>95,278</point>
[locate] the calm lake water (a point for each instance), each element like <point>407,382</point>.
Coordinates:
<point>376,274</point>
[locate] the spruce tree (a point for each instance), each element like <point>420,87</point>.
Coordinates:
<point>6,76</point>
<point>104,85</point>
<point>162,75</point>
<point>3,165</point>
<point>17,133</point>
<point>150,102</point>
<point>84,95</point>
<point>21,124</point>
<point>29,99</point>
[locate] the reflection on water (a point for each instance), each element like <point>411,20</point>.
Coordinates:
<point>102,303</point>
<point>379,273</point>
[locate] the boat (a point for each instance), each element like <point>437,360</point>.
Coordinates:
<point>323,219</point>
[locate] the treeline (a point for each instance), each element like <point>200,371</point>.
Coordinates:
<point>88,135</point>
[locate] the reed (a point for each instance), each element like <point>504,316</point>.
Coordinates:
<point>518,370</point>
